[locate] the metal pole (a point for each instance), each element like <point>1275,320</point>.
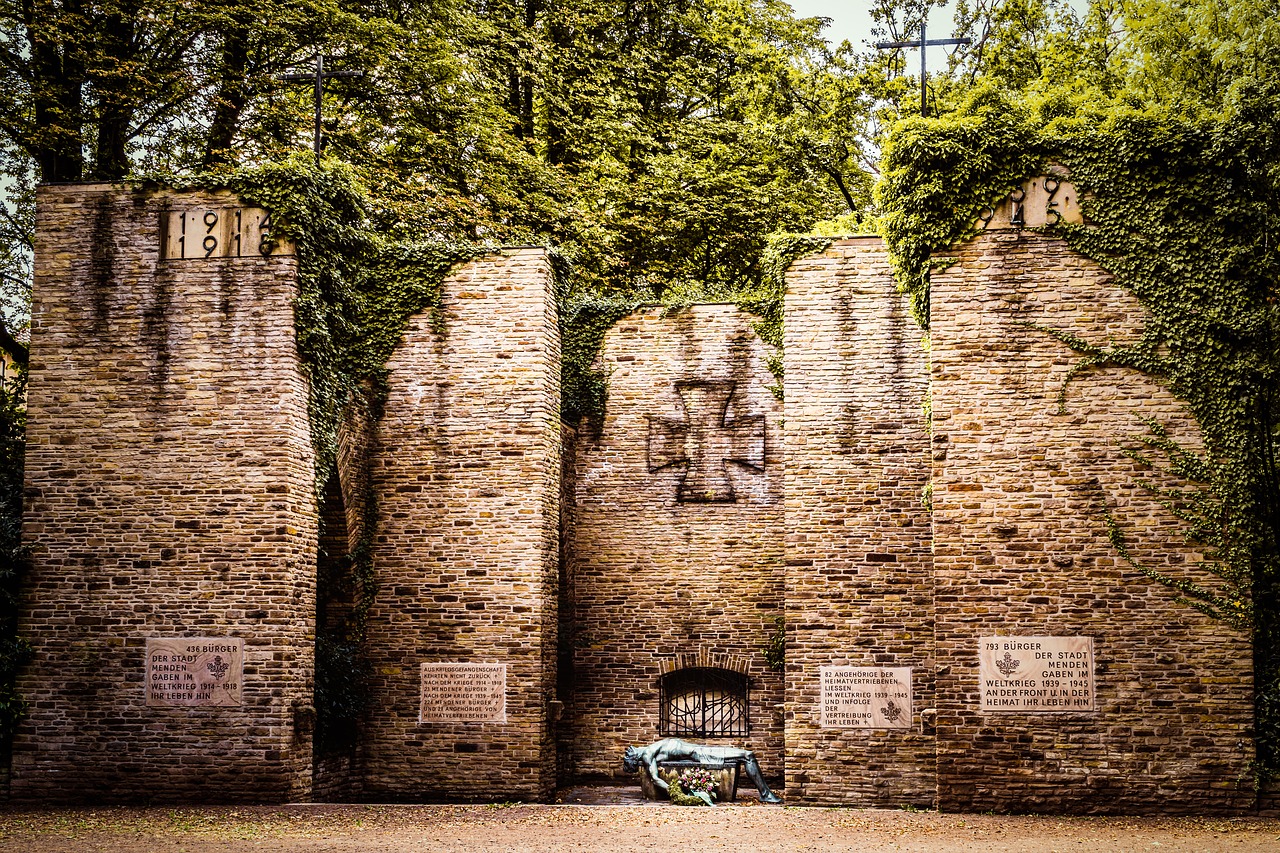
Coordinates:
<point>319,96</point>
<point>317,76</point>
<point>924,104</point>
<point>924,43</point>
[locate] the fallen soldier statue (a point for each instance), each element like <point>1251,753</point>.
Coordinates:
<point>673,749</point>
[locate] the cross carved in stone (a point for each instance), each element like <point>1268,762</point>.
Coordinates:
<point>705,441</point>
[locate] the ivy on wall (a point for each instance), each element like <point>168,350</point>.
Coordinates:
<point>14,650</point>
<point>584,385</point>
<point>939,175</point>
<point>1184,210</point>
<point>767,302</point>
<point>585,321</point>
<point>775,647</point>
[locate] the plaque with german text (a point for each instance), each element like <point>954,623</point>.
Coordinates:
<point>187,672</point>
<point>463,693</point>
<point>1035,674</point>
<point>866,697</point>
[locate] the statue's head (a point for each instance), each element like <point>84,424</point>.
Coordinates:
<point>631,759</point>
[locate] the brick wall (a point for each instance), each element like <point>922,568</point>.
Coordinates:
<point>662,569</point>
<point>1020,548</point>
<point>466,472</point>
<point>859,589</point>
<point>168,493</point>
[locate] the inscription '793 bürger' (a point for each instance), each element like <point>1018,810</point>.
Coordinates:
<point>1036,674</point>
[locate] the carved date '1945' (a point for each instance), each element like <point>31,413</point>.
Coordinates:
<point>1018,204</point>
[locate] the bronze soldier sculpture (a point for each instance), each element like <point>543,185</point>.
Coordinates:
<point>673,749</point>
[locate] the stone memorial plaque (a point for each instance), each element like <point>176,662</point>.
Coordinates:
<point>220,232</point>
<point>186,672</point>
<point>866,697</point>
<point>463,693</point>
<point>1036,674</point>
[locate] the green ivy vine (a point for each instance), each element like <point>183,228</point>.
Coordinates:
<point>940,174</point>
<point>767,302</point>
<point>357,289</point>
<point>584,322</point>
<point>775,647</point>
<point>1184,211</point>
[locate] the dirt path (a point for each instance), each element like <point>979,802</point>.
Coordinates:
<point>610,829</point>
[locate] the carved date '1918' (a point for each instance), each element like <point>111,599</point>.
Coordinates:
<point>234,232</point>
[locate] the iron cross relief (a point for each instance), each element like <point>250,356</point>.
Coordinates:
<point>705,441</point>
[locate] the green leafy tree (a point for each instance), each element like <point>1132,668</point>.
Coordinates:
<point>1201,52</point>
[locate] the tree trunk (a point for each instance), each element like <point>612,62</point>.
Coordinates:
<point>233,94</point>
<point>557,142</point>
<point>113,85</point>
<point>57,85</point>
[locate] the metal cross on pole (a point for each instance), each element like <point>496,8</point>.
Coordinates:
<point>922,44</point>
<point>318,76</point>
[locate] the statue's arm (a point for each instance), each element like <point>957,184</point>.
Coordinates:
<point>653,774</point>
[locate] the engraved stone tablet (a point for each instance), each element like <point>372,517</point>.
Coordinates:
<point>463,693</point>
<point>1036,674</point>
<point>184,672</point>
<point>1046,200</point>
<point>220,232</point>
<point>866,697</point>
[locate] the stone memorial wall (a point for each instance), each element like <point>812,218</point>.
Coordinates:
<point>677,543</point>
<point>1026,470</point>
<point>859,586</point>
<point>932,522</point>
<point>169,508</point>
<point>466,468</point>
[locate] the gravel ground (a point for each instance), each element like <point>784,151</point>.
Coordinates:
<point>609,829</point>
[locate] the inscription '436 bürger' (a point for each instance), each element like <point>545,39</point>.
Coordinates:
<point>187,672</point>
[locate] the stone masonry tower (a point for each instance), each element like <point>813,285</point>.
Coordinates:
<point>170,506</point>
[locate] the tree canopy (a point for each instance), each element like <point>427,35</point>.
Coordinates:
<point>653,141</point>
